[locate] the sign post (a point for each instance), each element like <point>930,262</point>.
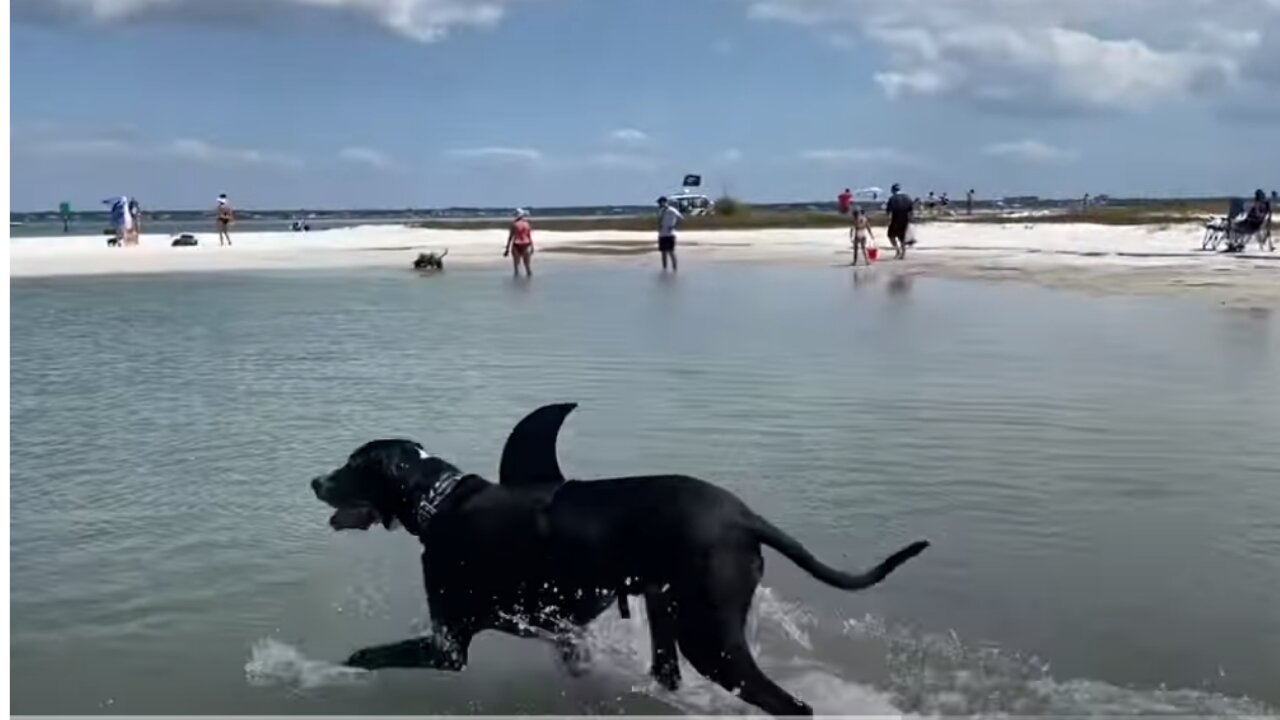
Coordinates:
<point>64,209</point>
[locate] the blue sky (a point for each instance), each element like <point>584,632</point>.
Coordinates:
<point>397,103</point>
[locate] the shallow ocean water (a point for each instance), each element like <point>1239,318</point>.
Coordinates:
<point>1099,477</point>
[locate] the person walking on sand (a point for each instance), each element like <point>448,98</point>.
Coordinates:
<point>121,221</point>
<point>845,201</point>
<point>225,216</point>
<point>899,208</point>
<point>668,221</point>
<point>860,233</point>
<point>520,244</point>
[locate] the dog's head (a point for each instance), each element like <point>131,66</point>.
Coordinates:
<point>380,483</point>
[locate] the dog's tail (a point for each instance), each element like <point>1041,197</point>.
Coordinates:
<point>794,551</point>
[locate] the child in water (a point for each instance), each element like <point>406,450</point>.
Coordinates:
<point>859,234</point>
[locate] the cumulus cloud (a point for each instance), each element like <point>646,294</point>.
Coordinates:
<point>866,156</point>
<point>1030,151</point>
<point>630,136</point>
<point>366,156</point>
<point>1081,55</point>
<point>499,154</point>
<point>420,20</point>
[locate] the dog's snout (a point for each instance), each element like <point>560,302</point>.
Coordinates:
<point>317,483</point>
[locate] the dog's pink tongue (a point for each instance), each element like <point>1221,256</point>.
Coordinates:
<point>353,519</point>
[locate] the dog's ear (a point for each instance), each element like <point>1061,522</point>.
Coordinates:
<point>391,477</point>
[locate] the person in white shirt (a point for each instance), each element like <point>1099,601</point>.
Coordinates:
<point>135,217</point>
<point>668,221</point>
<point>121,220</point>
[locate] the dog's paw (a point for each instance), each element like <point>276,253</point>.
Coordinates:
<point>575,657</point>
<point>667,674</point>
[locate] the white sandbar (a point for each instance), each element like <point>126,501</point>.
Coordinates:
<point>1106,258</point>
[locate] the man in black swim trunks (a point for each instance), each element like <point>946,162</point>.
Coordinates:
<point>899,209</point>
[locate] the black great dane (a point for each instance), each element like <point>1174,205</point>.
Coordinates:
<point>538,556</point>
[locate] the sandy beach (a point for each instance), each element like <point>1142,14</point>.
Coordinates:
<point>1133,259</point>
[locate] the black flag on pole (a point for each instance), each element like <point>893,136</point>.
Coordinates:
<point>691,181</point>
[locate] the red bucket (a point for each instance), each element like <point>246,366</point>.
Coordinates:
<point>873,253</point>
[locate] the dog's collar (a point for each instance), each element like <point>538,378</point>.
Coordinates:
<point>429,506</point>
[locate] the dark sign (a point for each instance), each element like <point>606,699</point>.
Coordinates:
<point>693,181</point>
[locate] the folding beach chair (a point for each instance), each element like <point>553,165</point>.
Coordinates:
<point>1240,232</point>
<point>1217,229</point>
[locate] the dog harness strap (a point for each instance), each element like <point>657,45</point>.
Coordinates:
<point>430,505</point>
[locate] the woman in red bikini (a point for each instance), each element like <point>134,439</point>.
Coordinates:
<point>520,243</point>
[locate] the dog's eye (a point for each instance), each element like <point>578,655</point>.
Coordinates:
<point>402,466</point>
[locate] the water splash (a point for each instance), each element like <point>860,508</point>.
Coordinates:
<point>928,674</point>
<point>942,675</point>
<point>779,633</point>
<point>272,662</point>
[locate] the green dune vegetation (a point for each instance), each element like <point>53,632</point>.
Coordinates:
<point>733,214</point>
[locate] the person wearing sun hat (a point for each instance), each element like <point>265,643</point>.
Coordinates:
<point>225,216</point>
<point>520,243</point>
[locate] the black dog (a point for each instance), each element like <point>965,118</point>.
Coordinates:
<point>430,261</point>
<point>539,556</point>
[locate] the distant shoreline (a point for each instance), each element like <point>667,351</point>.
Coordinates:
<point>768,220</point>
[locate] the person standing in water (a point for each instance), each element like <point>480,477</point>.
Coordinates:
<point>668,221</point>
<point>135,215</point>
<point>860,233</point>
<point>226,216</point>
<point>520,244</point>
<point>899,207</point>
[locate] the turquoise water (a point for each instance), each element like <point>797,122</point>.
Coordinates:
<point>1099,477</point>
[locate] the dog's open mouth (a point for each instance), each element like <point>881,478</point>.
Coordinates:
<point>355,518</point>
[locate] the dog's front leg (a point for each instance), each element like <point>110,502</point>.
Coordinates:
<point>435,652</point>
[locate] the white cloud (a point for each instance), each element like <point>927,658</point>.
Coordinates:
<point>1051,55</point>
<point>729,156</point>
<point>125,144</point>
<point>80,147</point>
<point>200,151</point>
<point>622,161</point>
<point>499,154</point>
<point>866,156</point>
<point>1030,151</point>
<point>366,156</point>
<point>629,136</point>
<point>420,20</point>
